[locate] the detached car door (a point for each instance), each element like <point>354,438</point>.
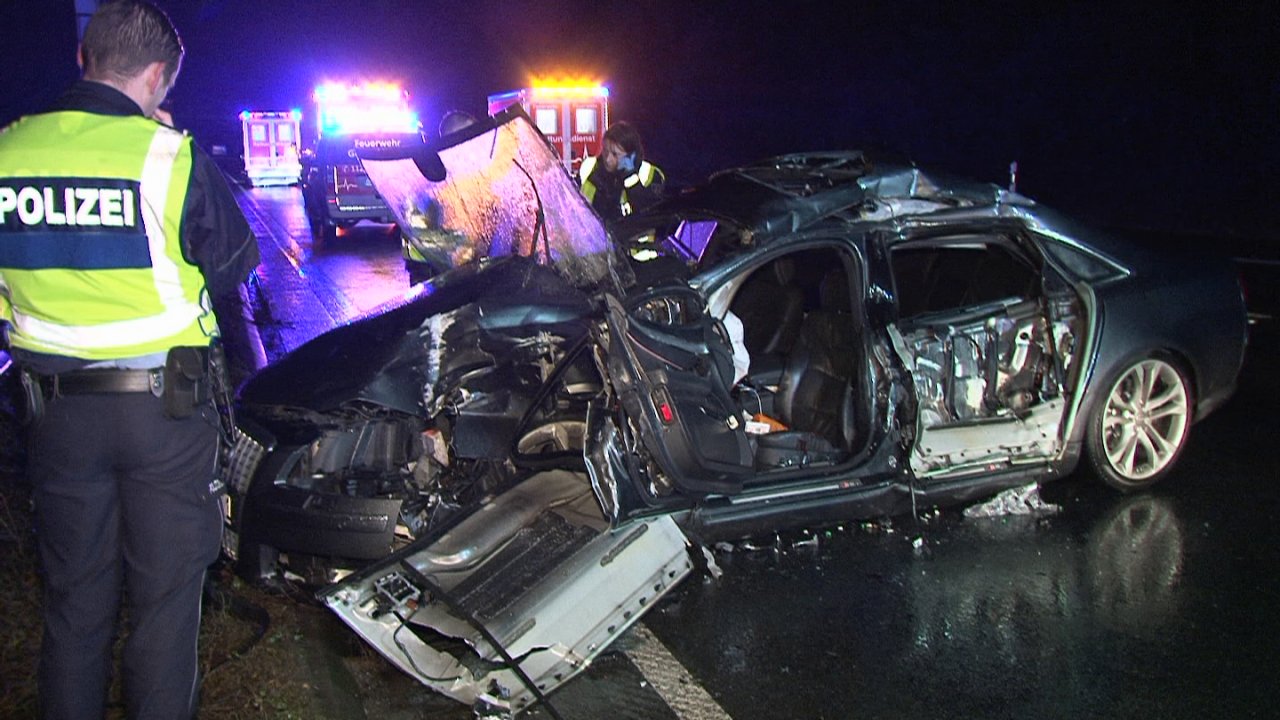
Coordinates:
<point>987,337</point>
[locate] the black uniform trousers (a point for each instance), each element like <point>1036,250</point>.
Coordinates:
<point>122,504</point>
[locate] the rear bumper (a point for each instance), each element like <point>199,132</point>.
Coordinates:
<point>376,211</point>
<point>277,175</point>
<point>1212,402</point>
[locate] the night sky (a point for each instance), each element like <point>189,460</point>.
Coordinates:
<point>1147,115</point>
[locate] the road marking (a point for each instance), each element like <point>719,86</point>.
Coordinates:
<point>670,679</point>
<point>265,226</point>
<point>283,269</point>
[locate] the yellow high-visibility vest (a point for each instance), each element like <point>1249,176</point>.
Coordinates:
<point>91,265</point>
<point>643,176</point>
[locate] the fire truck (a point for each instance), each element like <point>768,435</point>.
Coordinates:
<point>572,117</point>
<point>271,155</point>
<point>336,191</point>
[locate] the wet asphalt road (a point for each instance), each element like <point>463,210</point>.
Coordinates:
<point>1157,605</point>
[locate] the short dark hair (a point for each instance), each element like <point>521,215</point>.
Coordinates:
<point>626,136</point>
<point>125,36</point>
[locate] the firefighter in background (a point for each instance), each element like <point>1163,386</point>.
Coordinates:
<point>421,260</point>
<point>118,237</point>
<point>620,180</point>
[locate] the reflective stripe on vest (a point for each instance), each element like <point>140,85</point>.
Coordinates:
<point>644,176</point>
<point>409,250</point>
<point>584,172</point>
<point>90,261</point>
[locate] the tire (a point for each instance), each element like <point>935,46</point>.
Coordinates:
<point>323,231</point>
<point>1140,426</point>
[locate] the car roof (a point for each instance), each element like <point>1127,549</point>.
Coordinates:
<point>786,193</point>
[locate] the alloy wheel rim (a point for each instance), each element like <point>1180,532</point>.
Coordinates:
<point>1145,420</point>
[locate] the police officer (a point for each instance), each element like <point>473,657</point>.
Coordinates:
<point>620,181</point>
<point>417,257</point>
<point>117,238</point>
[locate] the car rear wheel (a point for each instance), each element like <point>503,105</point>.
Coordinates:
<point>1139,429</point>
<point>323,231</point>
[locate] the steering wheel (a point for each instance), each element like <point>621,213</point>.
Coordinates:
<point>672,304</point>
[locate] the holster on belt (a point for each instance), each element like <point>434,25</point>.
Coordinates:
<point>186,381</point>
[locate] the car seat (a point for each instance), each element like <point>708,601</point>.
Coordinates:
<point>771,308</point>
<point>816,391</point>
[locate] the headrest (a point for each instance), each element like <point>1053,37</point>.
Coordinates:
<point>784,270</point>
<point>833,291</point>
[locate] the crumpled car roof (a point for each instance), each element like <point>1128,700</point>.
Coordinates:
<point>786,193</point>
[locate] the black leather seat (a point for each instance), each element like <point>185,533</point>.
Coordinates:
<point>771,308</point>
<point>816,391</point>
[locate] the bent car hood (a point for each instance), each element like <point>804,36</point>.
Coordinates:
<point>372,358</point>
<point>496,191</point>
<point>500,190</point>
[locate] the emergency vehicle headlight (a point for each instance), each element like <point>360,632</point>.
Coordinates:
<point>375,107</point>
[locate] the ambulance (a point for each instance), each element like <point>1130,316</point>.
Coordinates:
<point>336,191</point>
<point>271,154</point>
<point>573,117</point>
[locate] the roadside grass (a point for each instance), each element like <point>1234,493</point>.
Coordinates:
<point>264,655</point>
<point>248,639</point>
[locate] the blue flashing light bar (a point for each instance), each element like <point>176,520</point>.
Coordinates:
<point>370,92</point>
<point>270,115</point>
<point>366,108</point>
<point>347,121</point>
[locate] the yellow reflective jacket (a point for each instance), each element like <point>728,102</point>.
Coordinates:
<point>91,265</point>
<point>646,177</point>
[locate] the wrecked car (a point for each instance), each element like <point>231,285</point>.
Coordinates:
<point>495,476</point>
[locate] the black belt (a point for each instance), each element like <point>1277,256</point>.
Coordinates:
<point>106,380</point>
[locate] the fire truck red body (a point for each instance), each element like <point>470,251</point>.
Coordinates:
<point>572,117</point>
